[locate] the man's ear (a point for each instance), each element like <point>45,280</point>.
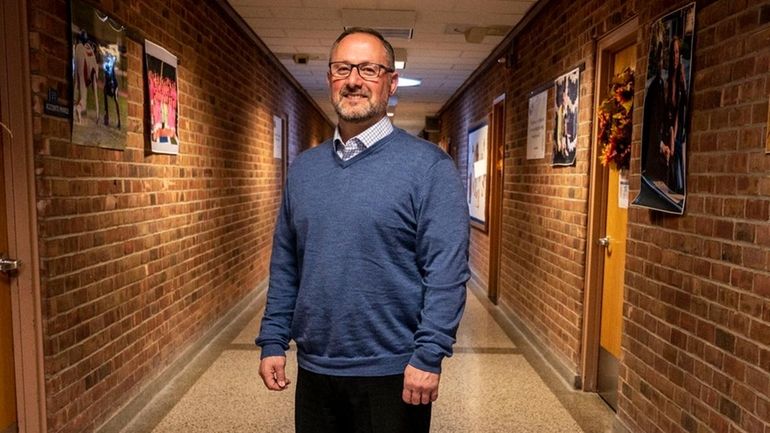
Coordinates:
<point>393,83</point>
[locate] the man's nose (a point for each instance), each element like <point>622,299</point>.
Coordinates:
<point>354,79</point>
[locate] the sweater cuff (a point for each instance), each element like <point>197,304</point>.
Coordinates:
<point>272,350</point>
<point>426,361</point>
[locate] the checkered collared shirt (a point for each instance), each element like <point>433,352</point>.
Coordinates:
<point>362,141</point>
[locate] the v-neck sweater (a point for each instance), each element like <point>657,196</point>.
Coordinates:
<point>369,260</point>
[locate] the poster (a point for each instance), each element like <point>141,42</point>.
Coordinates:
<point>277,137</point>
<point>566,103</point>
<point>99,78</point>
<point>162,98</point>
<point>664,127</point>
<point>536,125</point>
<point>477,175</point>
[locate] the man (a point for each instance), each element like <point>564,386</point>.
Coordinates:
<point>369,262</point>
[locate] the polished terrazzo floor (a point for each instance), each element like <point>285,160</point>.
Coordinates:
<point>491,384</point>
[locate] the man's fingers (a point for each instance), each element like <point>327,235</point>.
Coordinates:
<point>415,397</point>
<point>434,395</point>
<point>273,373</point>
<point>280,376</point>
<point>420,387</point>
<point>425,397</point>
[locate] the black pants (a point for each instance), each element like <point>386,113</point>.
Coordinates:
<point>338,404</point>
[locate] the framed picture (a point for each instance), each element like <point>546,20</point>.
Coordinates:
<point>477,166</point>
<point>666,103</point>
<point>99,78</point>
<point>162,99</point>
<point>281,144</point>
<point>566,104</point>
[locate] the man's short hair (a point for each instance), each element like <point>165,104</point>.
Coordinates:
<point>389,54</point>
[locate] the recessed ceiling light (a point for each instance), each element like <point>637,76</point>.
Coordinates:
<point>408,82</point>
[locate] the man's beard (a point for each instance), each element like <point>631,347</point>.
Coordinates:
<point>356,114</point>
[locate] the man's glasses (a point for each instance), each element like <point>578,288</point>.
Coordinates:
<point>368,71</point>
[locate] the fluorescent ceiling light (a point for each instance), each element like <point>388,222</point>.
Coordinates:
<point>408,82</point>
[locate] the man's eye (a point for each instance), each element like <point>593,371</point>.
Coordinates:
<point>343,69</point>
<point>369,70</point>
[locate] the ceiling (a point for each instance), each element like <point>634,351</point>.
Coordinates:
<point>451,38</point>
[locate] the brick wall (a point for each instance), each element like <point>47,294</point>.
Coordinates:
<point>696,332</point>
<point>697,313</point>
<point>544,208</point>
<point>141,253</point>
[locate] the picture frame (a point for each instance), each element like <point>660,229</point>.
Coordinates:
<point>161,99</point>
<point>98,81</point>
<point>281,144</point>
<point>477,168</point>
<point>665,128</point>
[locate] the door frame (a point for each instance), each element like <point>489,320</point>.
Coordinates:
<point>18,158</point>
<point>496,158</point>
<point>597,194</point>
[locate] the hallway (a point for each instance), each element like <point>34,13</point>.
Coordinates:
<point>494,382</point>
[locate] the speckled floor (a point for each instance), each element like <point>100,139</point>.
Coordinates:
<point>490,385</point>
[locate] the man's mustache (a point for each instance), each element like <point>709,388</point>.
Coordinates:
<point>346,92</point>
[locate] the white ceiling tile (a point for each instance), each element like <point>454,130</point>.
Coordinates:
<point>443,61</point>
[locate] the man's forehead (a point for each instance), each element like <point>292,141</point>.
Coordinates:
<point>361,43</point>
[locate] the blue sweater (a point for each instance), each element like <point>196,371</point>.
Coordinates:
<point>370,260</point>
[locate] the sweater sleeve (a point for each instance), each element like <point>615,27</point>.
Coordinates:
<point>275,331</point>
<point>442,255</point>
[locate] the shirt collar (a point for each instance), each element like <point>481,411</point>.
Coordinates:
<point>371,135</point>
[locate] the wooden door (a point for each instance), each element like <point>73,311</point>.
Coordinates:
<point>496,154</point>
<point>7,372</point>
<point>614,243</point>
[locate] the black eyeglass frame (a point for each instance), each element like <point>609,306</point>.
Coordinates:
<point>356,66</point>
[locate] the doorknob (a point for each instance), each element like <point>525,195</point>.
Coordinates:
<point>604,242</point>
<point>8,265</point>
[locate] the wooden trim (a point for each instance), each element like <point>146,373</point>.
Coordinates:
<point>16,112</point>
<point>597,194</point>
<point>495,217</point>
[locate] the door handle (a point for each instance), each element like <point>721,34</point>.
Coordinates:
<point>605,242</point>
<point>9,265</point>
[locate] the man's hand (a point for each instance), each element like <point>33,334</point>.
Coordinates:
<point>420,387</point>
<point>272,369</point>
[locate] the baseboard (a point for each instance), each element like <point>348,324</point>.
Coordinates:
<point>504,312</point>
<point>618,426</point>
<point>155,385</point>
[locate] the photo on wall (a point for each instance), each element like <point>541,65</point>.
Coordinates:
<point>566,103</point>
<point>664,127</point>
<point>99,78</point>
<point>477,175</point>
<point>162,100</point>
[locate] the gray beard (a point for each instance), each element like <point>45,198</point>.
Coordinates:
<point>357,117</point>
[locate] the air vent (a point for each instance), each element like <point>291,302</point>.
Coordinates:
<point>393,24</point>
<point>394,33</point>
